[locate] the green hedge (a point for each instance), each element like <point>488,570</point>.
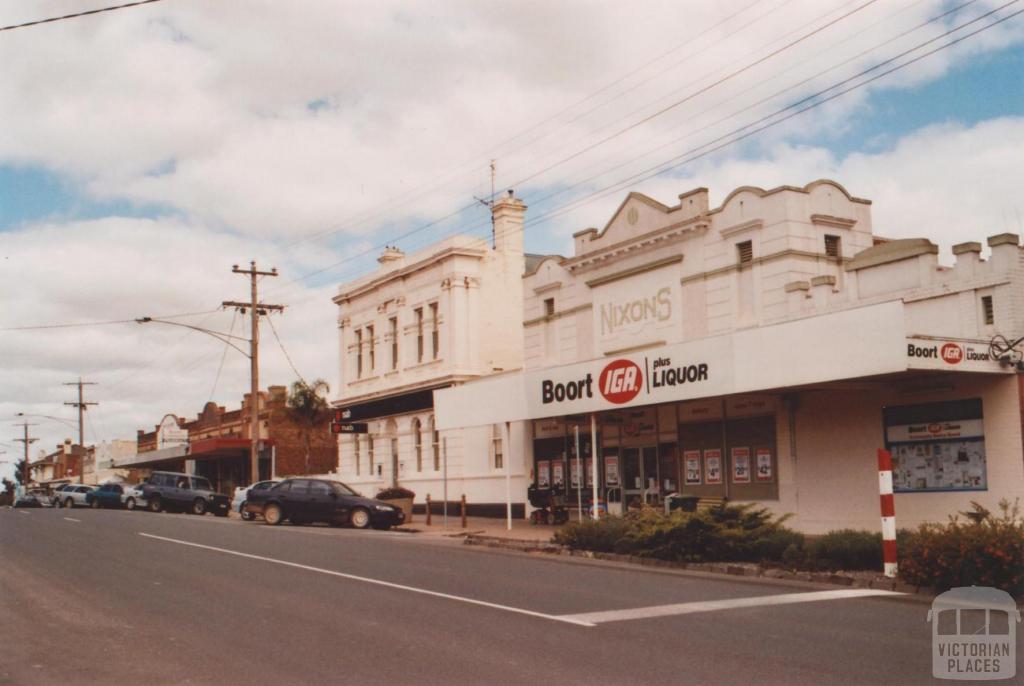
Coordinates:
<point>725,533</point>
<point>981,549</point>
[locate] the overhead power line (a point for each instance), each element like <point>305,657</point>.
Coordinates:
<point>107,322</point>
<point>760,124</point>
<point>50,20</point>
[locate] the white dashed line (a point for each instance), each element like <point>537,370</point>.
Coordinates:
<point>72,519</point>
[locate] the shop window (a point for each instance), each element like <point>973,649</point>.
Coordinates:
<point>435,347</point>
<point>417,433</point>
<point>744,252</point>
<point>498,458</point>
<point>987,311</point>
<point>832,247</point>
<point>393,332</point>
<point>355,454</point>
<point>937,446</point>
<point>435,445</point>
<point>419,333</point>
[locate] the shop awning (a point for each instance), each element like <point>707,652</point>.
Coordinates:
<point>154,458</point>
<point>850,344</point>
<point>413,401</point>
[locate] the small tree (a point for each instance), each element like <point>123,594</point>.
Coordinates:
<point>20,470</point>
<point>8,486</point>
<point>309,407</point>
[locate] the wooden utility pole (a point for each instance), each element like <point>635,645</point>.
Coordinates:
<point>256,308</point>
<point>81,405</point>
<point>27,441</point>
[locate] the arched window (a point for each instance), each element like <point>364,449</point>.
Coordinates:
<point>435,444</point>
<point>369,455</point>
<point>417,439</point>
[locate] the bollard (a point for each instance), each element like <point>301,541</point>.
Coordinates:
<point>888,512</point>
<point>463,510</point>
<point>428,509</point>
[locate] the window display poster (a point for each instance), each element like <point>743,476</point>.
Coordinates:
<point>945,465</point>
<point>574,473</point>
<point>937,446</point>
<point>558,474</point>
<point>691,467</point>
<point>741,465</point>
<point>764,464</point>
<point>713,466</point>
<point>543,474</point>
<point>588,470</point>
<point>611,470</point>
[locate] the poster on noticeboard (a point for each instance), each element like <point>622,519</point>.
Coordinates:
<point>713,466</point>
<point>558,474</point>
<point>611,470</point>
<point>543,474</point>
<point>763,459</point>
<point>691,467</point>
<point>741,465</point>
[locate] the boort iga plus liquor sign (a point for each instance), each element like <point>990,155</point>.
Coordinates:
<point>620,382</point>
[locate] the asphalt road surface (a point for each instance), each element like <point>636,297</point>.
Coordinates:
<point>114,597</point>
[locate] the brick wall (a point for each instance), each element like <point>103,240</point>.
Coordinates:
<point>289,440</point>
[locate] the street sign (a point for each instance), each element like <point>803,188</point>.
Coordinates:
<point>349,428</point>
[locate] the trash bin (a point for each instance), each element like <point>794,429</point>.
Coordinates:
<point>679,501</point>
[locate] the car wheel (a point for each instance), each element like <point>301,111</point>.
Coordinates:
<point>95,504</point>
<point>272,514</point>
<point>246,516</point>
<point>199,506</point>
<point>154,504</point>
<point>129,504</point>
<point>69,503</point>
<point>360,518</point>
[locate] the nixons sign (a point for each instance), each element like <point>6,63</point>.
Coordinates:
<point>636,310</point>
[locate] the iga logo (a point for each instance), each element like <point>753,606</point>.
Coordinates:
<point>620,381</point>
<point>952,353</point>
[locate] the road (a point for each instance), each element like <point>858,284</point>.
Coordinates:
<point>94,597</point>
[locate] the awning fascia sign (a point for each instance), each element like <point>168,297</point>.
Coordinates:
<point>414,401</point>
<point>860,342</point>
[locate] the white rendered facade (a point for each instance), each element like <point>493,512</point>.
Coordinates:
<point>440,317</point>
<point>797,343</point>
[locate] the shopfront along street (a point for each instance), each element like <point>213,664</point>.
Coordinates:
<point>208,600</point>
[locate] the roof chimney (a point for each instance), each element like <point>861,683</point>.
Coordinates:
<point>508,214</point>
<point>391,258</point>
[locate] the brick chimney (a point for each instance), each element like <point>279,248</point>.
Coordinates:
<point>391,258</point>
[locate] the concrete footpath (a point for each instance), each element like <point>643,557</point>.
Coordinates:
<point>521,529</point>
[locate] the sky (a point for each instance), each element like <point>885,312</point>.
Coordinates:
<point>147,150</point>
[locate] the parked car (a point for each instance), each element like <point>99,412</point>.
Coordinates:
<point>107,495</point>
<point>72,495</point>
<point>176,491</point>
<point>42,497</point>
<point>242,493</point>
<point>302,501</point>
<point>55,498</point>
<point>133,497</point>
<point>29,499</point>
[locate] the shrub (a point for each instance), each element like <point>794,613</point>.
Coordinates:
<point>601,536</point>
<point>725,533</point>
<point>986,550</point>
<point>396,493</point>
<point>846,549</point>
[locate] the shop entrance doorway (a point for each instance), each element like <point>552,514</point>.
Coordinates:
<point>640,476</point>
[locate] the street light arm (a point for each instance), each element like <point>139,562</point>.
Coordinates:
<point>46,416</point>
<point>222,337</point>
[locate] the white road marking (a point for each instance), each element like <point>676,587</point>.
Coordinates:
<point>377,582</point>
<point>72,519</point>
<point>24,512</point>
<point>727,604</point>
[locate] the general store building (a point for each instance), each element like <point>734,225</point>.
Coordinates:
<point>434,319</point>
<point>763,350</point>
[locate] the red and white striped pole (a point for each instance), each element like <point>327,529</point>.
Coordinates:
<point>888,512</point>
